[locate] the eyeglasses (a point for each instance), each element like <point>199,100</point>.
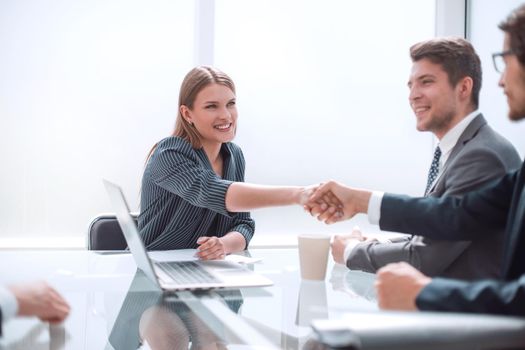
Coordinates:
<point>499,62</point>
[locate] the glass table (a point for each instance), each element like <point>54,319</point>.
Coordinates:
<point>114,306</point>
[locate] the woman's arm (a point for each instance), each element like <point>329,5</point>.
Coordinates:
<point>243,196</point>
<point>175,168</point>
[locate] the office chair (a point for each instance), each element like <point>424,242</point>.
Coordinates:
<point>104,233</point>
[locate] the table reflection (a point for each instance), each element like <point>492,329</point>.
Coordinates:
<point>160,321</point>
<point>40,336</point>
<point>357,284</point>
<point>311,303</point>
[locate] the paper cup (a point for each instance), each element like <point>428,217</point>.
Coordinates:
<point>313,256</point>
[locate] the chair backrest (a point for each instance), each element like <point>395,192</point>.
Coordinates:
<point>104,233</point>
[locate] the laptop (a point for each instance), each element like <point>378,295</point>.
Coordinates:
<point>179,275</point>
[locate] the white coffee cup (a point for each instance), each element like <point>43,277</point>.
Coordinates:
<point>313,256</point>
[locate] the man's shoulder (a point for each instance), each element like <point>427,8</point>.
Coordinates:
<point>485,139</point>
<point>488,135</point>
<point>477,160</point>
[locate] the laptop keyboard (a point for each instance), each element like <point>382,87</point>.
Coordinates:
<point>187,272</point>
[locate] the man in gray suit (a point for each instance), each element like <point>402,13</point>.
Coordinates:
<point>444,90</point>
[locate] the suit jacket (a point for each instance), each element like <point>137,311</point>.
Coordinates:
<point>476,215</point>
<point>480,156</point>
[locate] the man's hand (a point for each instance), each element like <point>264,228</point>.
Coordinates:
<point>340,242</point>
<point>328,199</point>
<point>40,300</point>
<point>398,286</point>
<point>333,202</point>
<point>327,203</point>
<point>211,248</point>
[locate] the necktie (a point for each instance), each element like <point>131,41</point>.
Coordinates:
<point>434,169</point>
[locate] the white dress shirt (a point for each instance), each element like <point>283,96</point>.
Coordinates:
<point>446,144</point>
<point>8,304</point>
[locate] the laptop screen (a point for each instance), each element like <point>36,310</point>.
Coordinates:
<point>129,229</point>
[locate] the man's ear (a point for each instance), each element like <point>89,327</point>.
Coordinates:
<point>186,114</point>
<point>465,86</point>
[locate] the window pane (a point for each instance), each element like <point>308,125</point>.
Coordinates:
<point>86,88</point>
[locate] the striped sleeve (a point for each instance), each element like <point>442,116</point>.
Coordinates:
<point>245,225</point>
<point>242,222</point>
<point>175,168</point>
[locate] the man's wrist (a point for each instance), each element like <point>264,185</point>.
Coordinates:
<point>349,247</point>
<point>374,207</point>
<point>423,283</point>
<point>363,198</point>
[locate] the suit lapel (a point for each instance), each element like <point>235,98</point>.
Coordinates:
<point>468,134</point>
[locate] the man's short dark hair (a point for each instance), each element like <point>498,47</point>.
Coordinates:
<point>456,56</point>
<point>514,26</point>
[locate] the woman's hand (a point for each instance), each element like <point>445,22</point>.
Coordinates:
<point>211,248</point>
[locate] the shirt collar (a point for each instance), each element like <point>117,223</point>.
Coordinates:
<point>452,136</point>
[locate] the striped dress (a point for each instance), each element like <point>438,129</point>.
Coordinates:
<point>183,199</point>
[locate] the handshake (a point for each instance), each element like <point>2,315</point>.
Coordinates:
<point>332,202</point>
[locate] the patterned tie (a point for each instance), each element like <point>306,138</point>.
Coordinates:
<point>434,169</point>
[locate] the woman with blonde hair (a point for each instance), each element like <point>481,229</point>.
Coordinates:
<point>193,190</point>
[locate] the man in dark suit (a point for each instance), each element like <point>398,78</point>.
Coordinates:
<point>32,299</point>
<point>444,92</point>
<point>477,214</point>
